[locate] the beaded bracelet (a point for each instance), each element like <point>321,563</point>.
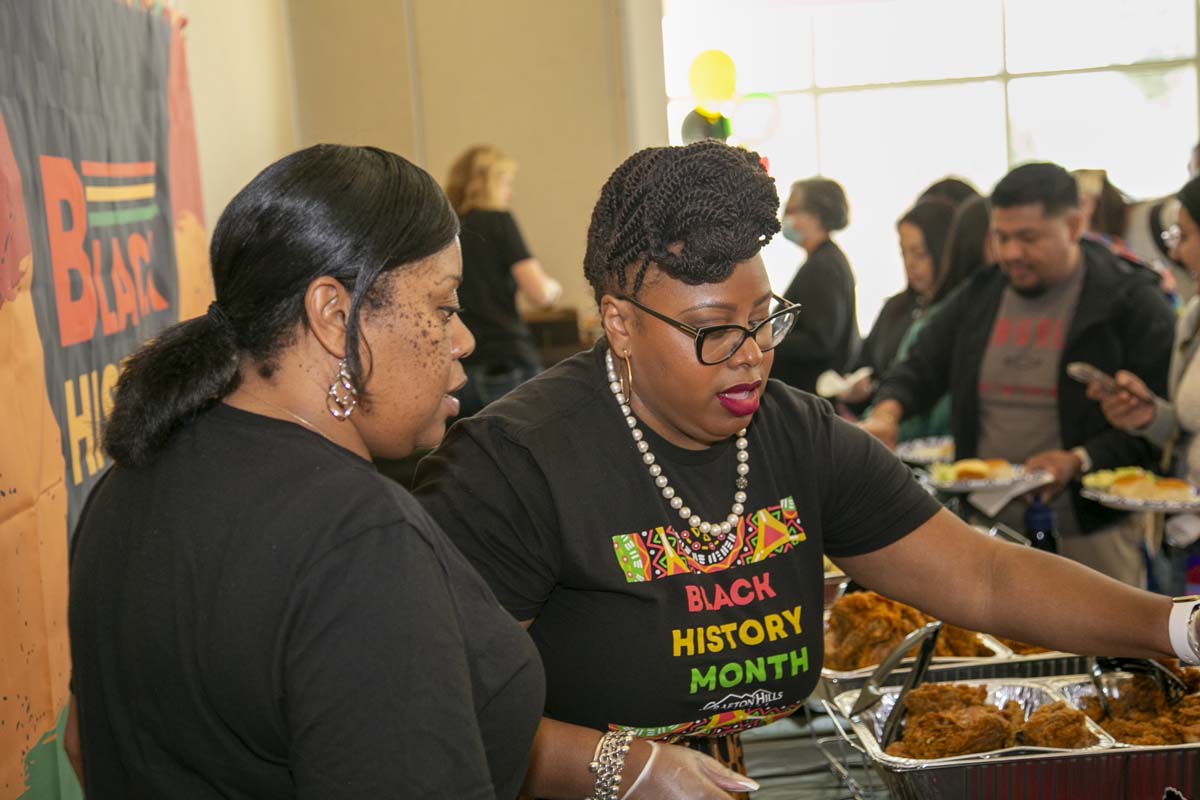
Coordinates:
<point>607,764</point>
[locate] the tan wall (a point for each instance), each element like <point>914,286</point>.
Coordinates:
<point>352,72</point>
<point>240,70</point>
<point>541,79</point>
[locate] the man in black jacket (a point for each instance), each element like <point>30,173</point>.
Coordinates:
<point>1001,346</point>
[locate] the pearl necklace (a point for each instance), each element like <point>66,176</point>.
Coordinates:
<point>660,480</point>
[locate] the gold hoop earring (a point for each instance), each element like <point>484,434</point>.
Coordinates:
<point>343,395</point>
<point>629,372</point>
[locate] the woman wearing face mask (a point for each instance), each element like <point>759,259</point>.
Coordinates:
<point>655,510</point>
<point>1176,420</point>
<point>825,336</point>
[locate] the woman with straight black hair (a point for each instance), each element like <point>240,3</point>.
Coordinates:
<point>922,232</point>
<point>254,610</point>
<point>966,250</point>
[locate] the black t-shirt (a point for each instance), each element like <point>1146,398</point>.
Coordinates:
<point>491,245</point>
<point>897,315</point>
<point>642,623</point>
<point>260,614</point>
<point>826,332</point>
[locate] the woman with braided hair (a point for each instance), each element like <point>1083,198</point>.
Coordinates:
<point>655,510</point>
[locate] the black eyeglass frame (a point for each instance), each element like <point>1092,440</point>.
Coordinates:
<point>700,333</point>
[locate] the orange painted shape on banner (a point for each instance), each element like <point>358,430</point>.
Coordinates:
<point>108,319</point>
<point>124,291</point>
<point>34,661</point>
<point>139,256</point>
<point>187,210</point>
<point>66,231</point>
<point>104,169</point>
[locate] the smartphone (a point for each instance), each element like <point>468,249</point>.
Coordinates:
<point>1086,373</point>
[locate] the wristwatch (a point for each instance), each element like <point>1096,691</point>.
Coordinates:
<point>1185,639</point>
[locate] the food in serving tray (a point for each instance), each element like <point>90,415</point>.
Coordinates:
<point>973,469</point>
<point>864,627</point>
<point>1141,715</point>
<point>952,720</point>
<point>1136,483</point>
<point>1021,648</point>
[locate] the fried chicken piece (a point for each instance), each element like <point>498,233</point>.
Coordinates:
<point>1057,725</point>
<point>1140,698</point>
<point>864,627</point>
<point>1187,718</point>
<point>1189,675</point>
<point>1140,715</point>
<point>1155,732</point>
<point>960,642</point>
<point>930,697</point>
<point>959,731</point>
<point>1015,713</point>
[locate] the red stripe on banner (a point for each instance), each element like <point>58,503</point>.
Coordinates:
<point>103,169</point>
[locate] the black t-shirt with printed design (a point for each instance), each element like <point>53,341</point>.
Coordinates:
<point>641,622</point>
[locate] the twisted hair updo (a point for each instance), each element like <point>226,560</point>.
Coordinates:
<point>694,211</point>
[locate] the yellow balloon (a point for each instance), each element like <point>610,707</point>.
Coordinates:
<point>712,79</point>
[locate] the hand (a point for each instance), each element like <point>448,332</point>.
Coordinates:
<point>859,391</point>
<point>1061,464</point>
<point>884,423</point>
<point>1130,407</point>
<point>680,773</point>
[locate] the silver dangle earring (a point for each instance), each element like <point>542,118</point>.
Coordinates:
<point>343,396</point>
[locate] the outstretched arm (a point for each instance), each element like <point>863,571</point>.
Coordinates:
<point>951,571</point>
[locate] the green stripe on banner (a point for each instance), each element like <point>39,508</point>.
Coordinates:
<point>101,219</point>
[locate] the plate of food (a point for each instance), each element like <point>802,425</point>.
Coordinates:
<point>971,474</point>
<point>1136,489</point>
<point>930,450</point>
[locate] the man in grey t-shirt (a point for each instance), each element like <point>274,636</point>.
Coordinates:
<point>1001,345</point>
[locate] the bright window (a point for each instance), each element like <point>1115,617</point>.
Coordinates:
<point>887,96</point>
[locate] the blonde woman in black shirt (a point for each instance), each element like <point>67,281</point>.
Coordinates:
<point>497,265</point>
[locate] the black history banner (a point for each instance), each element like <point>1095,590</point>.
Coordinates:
<point>102,245</point>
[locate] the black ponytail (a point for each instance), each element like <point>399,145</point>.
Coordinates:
<point>351,213</point>
<point>182,372</point>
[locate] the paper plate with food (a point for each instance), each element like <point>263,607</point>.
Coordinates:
<point>930,450</point>
<point>971,474</point>
<point>1136,489</point>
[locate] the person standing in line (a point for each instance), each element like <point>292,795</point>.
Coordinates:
<point>826,335</point>
<point>497,265</point>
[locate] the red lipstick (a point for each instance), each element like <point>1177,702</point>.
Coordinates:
<point>740,400</point>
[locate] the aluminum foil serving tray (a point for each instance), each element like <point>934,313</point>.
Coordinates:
<point>1016,773</point>
<point>1004,664</point>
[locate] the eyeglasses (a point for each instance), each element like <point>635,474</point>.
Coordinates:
<point>1171,236</point>
<point>716,344</point>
